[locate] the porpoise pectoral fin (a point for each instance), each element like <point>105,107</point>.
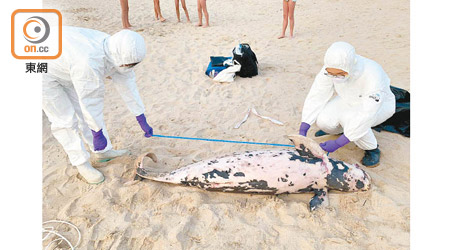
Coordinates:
<point>320,199</point>
<point>307,146</point>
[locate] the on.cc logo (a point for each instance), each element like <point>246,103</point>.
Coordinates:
<point>36,30</point>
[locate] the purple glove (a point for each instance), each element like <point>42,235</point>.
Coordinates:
<point>144,125</point>
<point>304,128</point>
<point>333,145</point>
<point>99,140</point>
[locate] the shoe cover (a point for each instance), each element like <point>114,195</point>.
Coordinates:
<point>90,174</point>
<point>371,158</point>
<point>110,154</point>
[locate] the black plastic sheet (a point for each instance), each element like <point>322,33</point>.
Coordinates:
<point>400,122</point>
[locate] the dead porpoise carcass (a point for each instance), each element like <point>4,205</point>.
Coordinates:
<point>278,171</point>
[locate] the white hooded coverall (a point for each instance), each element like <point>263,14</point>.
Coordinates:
<point>362,101</point>
<point>73,89</point>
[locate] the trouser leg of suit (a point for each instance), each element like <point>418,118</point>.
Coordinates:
<point>329,118</point>
<point>61,114</point>
<point>334,116</point>
<point>82,125</point>
<point>368,141</point>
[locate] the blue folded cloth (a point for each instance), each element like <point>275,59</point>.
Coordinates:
<point>216,65</point>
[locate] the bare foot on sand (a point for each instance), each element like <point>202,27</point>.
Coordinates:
<point>162,19</point>
<point>281,36</point>
<point>199,25</point>
<point>128,26</point>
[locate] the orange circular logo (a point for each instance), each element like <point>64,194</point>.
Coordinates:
<point>36,29</point>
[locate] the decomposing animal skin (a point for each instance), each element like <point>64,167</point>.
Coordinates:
<point>278,171</point>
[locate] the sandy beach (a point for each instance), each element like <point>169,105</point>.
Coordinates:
<point>181,100</point>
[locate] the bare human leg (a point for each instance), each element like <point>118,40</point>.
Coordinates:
<point>205,12</point>
<point>124,6</point>
<point>177,9</point>
<point>291,17</point>
<point>285,19</point>
<point>199,10</point>
<point>183,4</point>
<point>158,11</point>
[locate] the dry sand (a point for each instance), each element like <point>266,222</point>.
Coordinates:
<point>182,101</point>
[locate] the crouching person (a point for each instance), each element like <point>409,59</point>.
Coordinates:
<point>349,95</point>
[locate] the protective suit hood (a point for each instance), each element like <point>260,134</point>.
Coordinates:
<point>125,47</point>
<point>341,55</point>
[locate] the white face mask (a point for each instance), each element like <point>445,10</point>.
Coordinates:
<point>126,69</point>
<point>123,69</point>
<point>336,78</point>
<point>339,80</point>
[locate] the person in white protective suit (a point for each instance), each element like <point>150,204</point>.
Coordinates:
<point>363,100</point>
<point>73,92</point>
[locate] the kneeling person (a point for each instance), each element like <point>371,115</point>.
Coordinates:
<point>363,100</point>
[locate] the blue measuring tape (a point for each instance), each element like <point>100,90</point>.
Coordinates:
<point>228,141</point>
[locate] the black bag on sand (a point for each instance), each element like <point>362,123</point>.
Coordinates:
<point>400,122</point>
<point>247,59</point>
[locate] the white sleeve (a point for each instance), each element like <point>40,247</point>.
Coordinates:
<point>125,83</point>
<point>321,91</point>
<point>366,116</point>
<point>88,83</point>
